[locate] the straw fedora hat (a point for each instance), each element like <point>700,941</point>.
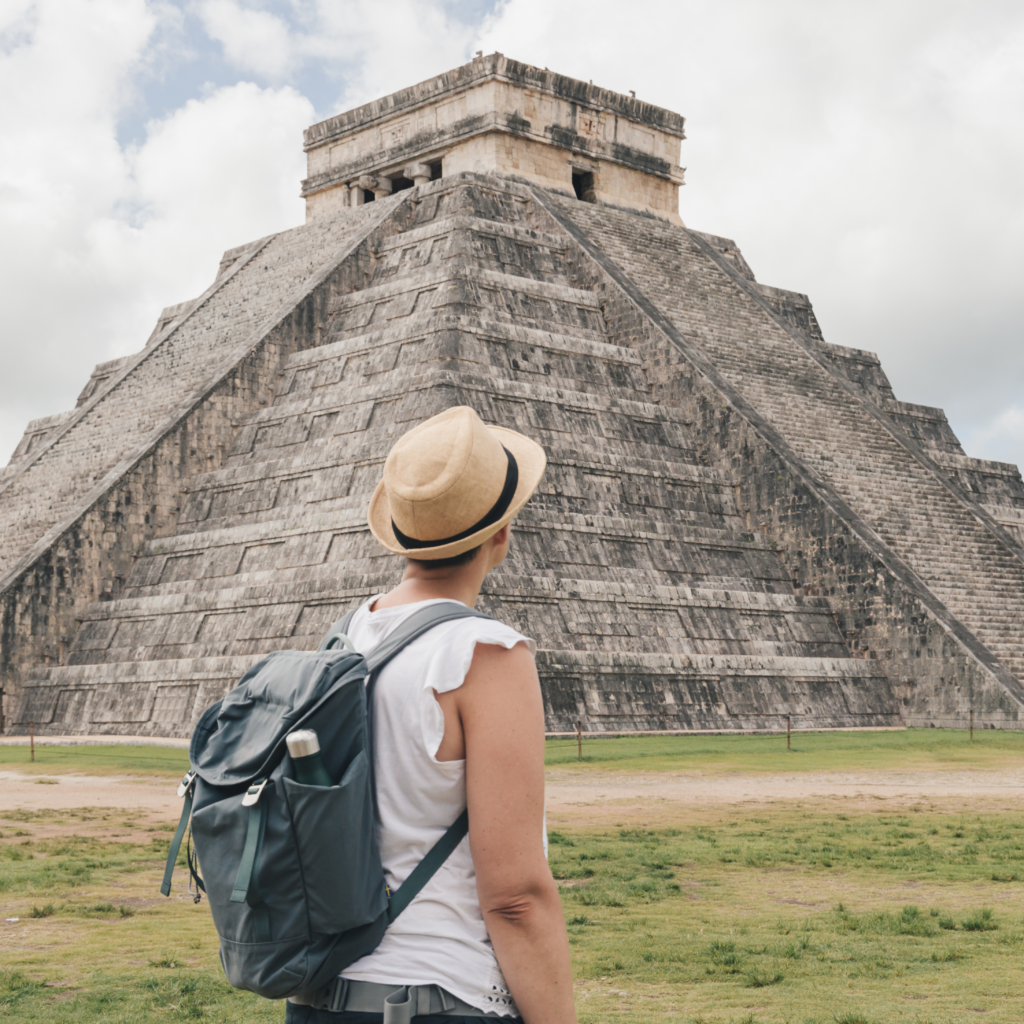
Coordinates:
<point>450,483</point>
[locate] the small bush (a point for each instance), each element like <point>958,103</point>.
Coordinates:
<point>909,921</point>
<point>980,921</point>
<point>762,979</point>
<point>718,951</point>
<point>45,911</point>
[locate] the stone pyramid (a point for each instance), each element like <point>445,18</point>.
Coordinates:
<point>739,522</point>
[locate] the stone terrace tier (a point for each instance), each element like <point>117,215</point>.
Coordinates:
<point>137,400</point>
<point>895,467</point>
<point>652,602</point>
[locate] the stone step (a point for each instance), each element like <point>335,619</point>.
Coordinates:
<point>298,550</point>
<point>342,477</point>
<point>580,458</point>
<point>563,490</point>
<point>579,344</point>
<point>393,365</point>
<point>467,221</point>
<point>607,690</point>
<point>551,415</point>
<point>425,342</point>
<point>546,517</point>
<point>461,287</point>
<point>439,280</point>
<point>500,585</point>
<point>591,615</point>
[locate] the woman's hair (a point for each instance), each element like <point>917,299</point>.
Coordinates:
<point>447,563</point>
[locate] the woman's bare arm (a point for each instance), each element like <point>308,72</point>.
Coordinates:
<point>502,717</point>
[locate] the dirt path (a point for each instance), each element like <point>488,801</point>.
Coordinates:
<point>19,790</point>
<point>601,797</point>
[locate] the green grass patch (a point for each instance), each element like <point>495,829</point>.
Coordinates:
<point>64,863</point>
<point>644,863</point>
<point>665,924</point>
<point>105,759</point>
<point>691,922</point>
<point>819,751</point>
<point>910,748</point>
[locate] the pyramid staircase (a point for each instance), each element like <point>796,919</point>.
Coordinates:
<point>653,605</point>
<point>953,522</point>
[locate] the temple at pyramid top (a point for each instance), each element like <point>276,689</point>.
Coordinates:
<point>499,116</point>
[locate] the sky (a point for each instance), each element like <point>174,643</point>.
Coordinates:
<point>867,153</point>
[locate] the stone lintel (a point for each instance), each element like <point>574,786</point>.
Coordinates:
<point>498,116</point>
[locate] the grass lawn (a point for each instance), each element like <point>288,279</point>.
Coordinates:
<point>909,749</point>
<point>96,760</point>
<point>781,912</point>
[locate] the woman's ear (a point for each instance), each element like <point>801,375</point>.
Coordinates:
<point>499,546</point>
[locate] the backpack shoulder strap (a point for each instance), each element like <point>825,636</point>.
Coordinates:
<point>416,625</point>
<point>338,632</point>
<point>427,868</point>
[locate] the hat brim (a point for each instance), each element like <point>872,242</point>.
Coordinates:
<point>530,459</point>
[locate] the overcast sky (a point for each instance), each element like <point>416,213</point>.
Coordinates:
<point>868,153</point>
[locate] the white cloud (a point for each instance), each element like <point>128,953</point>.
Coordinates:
<point>215,173</point>
<point>254,41</point>
<point>97,238</point>
<point>375,48</point>
<point>386,46</point>
<point>60,167</point>
<point>1001,437</point>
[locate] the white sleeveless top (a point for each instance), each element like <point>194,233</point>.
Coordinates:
<point>440,938</point>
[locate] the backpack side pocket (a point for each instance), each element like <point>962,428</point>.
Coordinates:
<point>337,847</point>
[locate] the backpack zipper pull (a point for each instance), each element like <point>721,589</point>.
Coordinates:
<point>254,793</point>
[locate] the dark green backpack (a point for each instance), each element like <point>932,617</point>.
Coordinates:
<point>292,872</point>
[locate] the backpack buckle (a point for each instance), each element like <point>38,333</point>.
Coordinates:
<point>186,781</point>
<point>254,792</point>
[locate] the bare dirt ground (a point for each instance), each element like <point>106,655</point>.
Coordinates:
<point>669,797</point>
<point>21,791</point>
<point>604,797</point>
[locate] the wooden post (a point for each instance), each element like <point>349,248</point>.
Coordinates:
<point>32,741</point>
<point>972,725</point>
<point>579,739</point>
<point>788,744</point>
